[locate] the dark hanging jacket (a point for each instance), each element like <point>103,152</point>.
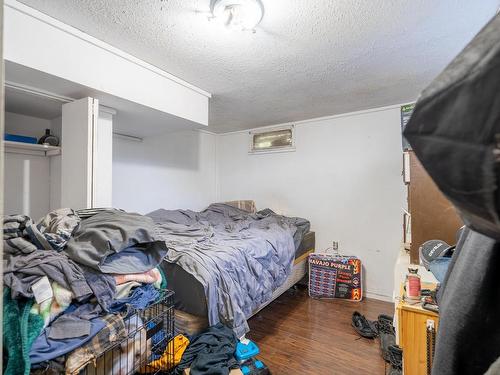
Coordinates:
<point>455,133</point>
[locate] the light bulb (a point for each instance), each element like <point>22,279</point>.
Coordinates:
<point>238,14</point>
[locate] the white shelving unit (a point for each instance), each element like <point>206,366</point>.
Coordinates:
<point>31,149</point>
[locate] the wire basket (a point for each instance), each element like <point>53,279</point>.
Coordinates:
<point>144,346</point>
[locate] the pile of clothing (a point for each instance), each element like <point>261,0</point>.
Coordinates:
<point>210,352</point>
<point>73,283</point>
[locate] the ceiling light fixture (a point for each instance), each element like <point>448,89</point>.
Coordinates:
<point>238,14</point>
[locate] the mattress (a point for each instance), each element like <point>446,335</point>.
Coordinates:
<point>189,298</point>
<point>190,324</point>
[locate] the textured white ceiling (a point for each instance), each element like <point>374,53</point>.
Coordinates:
<point>309,58</point>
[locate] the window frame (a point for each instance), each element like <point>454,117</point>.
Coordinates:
<point>271,150</point>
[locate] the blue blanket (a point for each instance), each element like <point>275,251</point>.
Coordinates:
<point>238,257</point>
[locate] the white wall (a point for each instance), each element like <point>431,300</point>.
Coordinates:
<point>26,181</point>
<point>26,185</point>
<point>345,177</point>
<point>103,161</point>
<point>45,172</point>
<point>175,170</point>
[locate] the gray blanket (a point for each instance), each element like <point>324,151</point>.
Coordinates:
<point>239,258</point>
<point>113,241</point>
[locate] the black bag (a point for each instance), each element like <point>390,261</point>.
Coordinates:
<point>455,131</point>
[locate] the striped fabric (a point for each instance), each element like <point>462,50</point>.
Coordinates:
<point>52,232</point>
<point>14,226</point>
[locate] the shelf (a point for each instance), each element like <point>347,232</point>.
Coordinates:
<point>31,149</point>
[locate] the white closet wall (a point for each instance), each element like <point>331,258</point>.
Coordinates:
<point>27,185</point>
<point>103,160</point>
<point>86,162</point>
<point>174,170</point>
<point>78,120</point>
<point>37,181</point>
<point>27,177</point>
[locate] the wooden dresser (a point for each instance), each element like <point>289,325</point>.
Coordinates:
<point>412,333</point>
<point>432,214</point>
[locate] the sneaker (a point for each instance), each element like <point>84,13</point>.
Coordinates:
<point>393,371</point>
<point>396,360</point>
<point>385,319</point>
<point>387,335</point>
<point>363,327</point>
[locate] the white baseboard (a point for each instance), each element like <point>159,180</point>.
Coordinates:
<point>380,297</point>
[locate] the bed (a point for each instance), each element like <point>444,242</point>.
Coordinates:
<point>190,301</point>
<point>279,247</point>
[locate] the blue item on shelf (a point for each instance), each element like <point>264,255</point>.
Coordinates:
<point>246,351</point>
<point>19,138</point>
<point>254,367</point>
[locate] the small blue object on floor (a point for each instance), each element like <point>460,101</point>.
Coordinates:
<point>246,351</point>
<point>19,138</point>
<point>254,367</point>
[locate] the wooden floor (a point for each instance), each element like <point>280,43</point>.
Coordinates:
<point>300,335</point>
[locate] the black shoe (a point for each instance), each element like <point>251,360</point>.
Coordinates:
<point>393,371</point>
<point>396,360</point>
<point>387,335</point>
<point>363,327</point>
<point>385,319</point>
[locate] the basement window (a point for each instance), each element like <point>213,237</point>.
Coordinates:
<point>275,140</point>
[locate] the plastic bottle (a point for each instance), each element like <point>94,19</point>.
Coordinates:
<point>413,285</point>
